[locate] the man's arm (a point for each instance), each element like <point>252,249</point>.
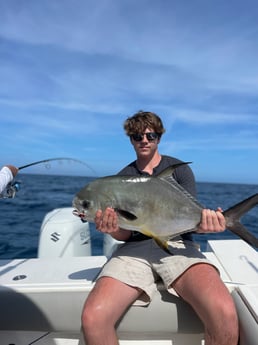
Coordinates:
<point>7,173</point>
<point>211,221</point>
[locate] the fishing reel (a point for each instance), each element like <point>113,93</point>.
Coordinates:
<point>11,190</point>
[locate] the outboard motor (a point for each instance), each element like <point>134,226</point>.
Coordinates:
<point>64,235</point>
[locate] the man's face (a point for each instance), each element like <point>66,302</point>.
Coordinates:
<point>145,144</point>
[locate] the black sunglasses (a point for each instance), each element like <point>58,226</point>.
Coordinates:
<point>151,136</point>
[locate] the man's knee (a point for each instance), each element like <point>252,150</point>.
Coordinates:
<point>228,312</point>
<point>87,318</point>
<point>230,319</point>
<point>95,315</point>
<point>224,327</point>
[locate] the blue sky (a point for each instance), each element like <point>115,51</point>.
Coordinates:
<point>72,71</point>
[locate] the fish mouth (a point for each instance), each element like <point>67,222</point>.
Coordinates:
<point>79,211</point>
<point>81,214</point>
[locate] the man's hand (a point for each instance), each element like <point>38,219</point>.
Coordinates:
<point>107,222</point>
<point>212,221</point>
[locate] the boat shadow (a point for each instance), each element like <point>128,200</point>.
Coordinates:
<point>20,313</point>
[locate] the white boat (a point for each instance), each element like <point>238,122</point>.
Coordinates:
<point>41,299</point>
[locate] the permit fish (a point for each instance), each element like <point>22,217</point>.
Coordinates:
<point>155,206</point>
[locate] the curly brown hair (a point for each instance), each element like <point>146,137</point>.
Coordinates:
<point>138,123</point>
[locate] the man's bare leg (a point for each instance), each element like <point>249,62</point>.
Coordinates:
<point>203,289</point>
<point>106,303</point>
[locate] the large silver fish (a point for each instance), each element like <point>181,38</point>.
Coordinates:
<point>155,206</point>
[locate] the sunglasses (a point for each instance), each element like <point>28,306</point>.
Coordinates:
<point>151,136</point>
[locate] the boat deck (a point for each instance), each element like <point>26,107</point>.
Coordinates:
<point>41,301</point>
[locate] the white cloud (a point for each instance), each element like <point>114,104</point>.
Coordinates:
<point>76,70</point>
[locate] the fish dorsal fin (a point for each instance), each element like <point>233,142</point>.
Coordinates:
<point>166,175</point>
<point>169,171</point>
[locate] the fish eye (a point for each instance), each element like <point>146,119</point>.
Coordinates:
<point>86,204</point>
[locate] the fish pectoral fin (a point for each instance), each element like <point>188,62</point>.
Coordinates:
<point>126,214</point>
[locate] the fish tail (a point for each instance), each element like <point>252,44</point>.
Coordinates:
<point>233,215</point>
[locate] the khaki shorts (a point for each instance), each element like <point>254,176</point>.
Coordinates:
<point>142,264</point>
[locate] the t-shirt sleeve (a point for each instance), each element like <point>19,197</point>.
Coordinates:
<point>185,177</point>
<point>6,176</point>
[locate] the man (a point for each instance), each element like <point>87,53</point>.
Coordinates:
<point>7,173</point>
<point>130,275</point>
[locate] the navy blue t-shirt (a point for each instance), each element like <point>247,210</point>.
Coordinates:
<point>183,175</point>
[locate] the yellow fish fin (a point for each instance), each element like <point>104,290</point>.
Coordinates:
<point>162,242</point>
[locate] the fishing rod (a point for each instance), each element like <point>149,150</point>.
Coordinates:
<point>54,159</point>
<point>14,186</point>
<point>58,159</point>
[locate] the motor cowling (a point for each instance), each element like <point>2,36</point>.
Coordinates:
<point>62,234</point>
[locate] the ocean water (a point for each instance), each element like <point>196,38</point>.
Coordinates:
<point>22,216</point>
